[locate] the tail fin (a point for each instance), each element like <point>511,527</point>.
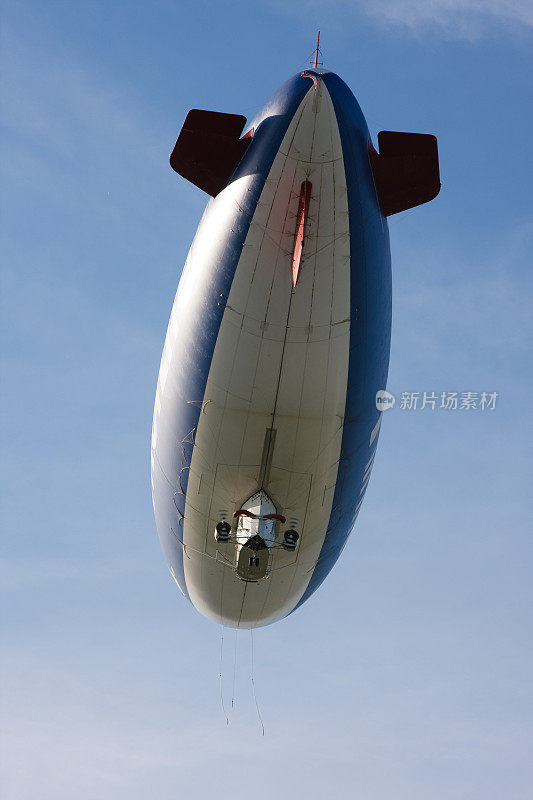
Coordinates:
<point>406,170</point>
<point>209,148</point>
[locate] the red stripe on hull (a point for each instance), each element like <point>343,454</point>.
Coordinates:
<point>301,219</point>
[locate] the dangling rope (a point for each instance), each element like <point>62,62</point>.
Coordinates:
<point>253,683</point>
<point>220,675</point>
<point>234,669</point>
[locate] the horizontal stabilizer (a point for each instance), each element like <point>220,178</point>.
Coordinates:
<point>209,148</point>
<point>406,170</point>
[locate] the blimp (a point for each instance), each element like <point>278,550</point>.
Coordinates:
<point>266,423</point>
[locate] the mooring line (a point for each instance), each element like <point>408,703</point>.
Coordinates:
<point>220,675</point>
<point>253,683</point>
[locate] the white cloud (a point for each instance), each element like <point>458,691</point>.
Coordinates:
<point>458,18</point>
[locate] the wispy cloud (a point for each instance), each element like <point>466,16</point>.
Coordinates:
<point>456,19</point>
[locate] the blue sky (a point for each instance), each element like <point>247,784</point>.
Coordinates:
<point>407,675</point>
